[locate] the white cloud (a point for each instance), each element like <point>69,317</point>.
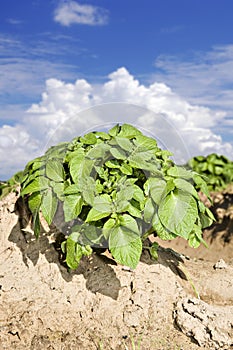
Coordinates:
<point>203,78</point>
<point>71,12</point>
<point>65,111</point>
<point>14,21</point>
<point>17,146</point>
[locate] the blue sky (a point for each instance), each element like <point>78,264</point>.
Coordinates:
<point>182,45</point>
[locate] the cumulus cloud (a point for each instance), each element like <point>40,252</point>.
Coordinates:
<point>17,146</point>
<point>71,12</point>
<point>70,109</point>
<point>210,74</point>
<point>203,78</point>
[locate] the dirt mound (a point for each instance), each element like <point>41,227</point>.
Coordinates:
<point>103,305</point>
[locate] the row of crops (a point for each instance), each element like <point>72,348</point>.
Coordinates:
<point>217,170</point>
<point>117,188</point>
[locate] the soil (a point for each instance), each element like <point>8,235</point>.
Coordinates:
<point>183,301</point>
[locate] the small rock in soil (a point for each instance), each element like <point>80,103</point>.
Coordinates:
<point>220,264</point>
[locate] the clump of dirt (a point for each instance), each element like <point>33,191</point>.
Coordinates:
<point>208,324</point>
<point>102,305</point>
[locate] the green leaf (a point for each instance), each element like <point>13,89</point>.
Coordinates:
<point>137,161</point>
<point>115,130</point>
<point>129,222</point>
<point>88,139</point>
<point>206,221</point>
<point>73,253</point>
<point>143,154</point>
<point>201,206</point>
<point>121,206</point>
<point>80,167</point>
<point>113,164</point>
<point>11,184</point>
<point>178,212</point>
<point>165,154</point>
<point>157,188</point>
<point>210,214</point>
<point>36,224</point>
<point>38,164</point>
<point>34,202</point>
<point>72,189</point>
<point>102,135</point>
<point>186,186</point>
<point>210,167</point>
<point>98,151</point>
<point>170,186</point>
<point>86,250</point>
<point>77,153</point>
<point>108,226</point>
<point>162,231</point>
<point>145,143</point>
<point>57,151</point>
<point>143,161</point>
<point>154,251</point>
<point>177,171</point>
<point>103,173</point>
<point>90,235</point>
<point>98,187</point>
<point>200,182</point>
<point>54,170</point>
<point>72,206</point>
<point>5,189</point>
<point>125,192</point>
<point>193,240</point>
<point>125,246</point>
<point>58,189</point>
<point>132,210</point>
<point>95,215</point>
<point>63,247</point>
<point>138,194</point>
<point>75,235</point>
<point>32,176</point>
<point>149,210</point>
<point>49,205</point>
<point>40,183</point>
<point>195,237</point>
<point>128,131</point>
<point>118,153</point>
<point>124,143</point>
<point>103,203</point>
<point>218,170</point>
<point>87,188</point>
<point>126,169</point>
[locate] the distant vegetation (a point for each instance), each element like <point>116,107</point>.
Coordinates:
<point>217,169</point>
<point>10,185</point>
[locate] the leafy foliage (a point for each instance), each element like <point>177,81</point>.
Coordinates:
<point>217,169</point>
<point>116,188</point>
<point>10,185</point>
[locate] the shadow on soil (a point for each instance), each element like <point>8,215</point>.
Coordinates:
<point>223,213</point>
<point>97,270</point>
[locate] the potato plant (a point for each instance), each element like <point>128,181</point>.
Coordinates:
<point>116,189</point>
<point>217,169</point>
